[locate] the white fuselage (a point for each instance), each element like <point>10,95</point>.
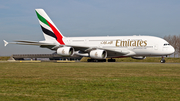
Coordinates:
<point>134,45</point>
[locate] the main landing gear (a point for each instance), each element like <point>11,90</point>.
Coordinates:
<point>96,60</point>
<point>162,60</point>
<point>111,60</point>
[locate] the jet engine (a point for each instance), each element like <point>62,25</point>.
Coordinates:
<point>65,51</point>
<point>98,54</point>
<point>138,57</point>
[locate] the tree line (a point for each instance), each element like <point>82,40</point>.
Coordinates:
<point>174,40</point>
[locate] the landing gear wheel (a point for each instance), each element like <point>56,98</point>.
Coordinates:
<point>95,60</point>
<point>162,61</point>
<point>111,60</point>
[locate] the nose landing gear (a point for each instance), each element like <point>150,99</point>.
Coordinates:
<point>162,60</point>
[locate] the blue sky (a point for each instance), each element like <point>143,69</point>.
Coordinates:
<point>18,20</point>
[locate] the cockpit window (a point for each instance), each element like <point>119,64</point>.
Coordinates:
<point>166,44</point>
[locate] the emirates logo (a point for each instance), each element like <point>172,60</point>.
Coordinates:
<point>96,54</point>
<point>63,52</point>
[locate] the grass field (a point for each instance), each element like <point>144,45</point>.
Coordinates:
<point>4,57</point>
<point>89,81</point>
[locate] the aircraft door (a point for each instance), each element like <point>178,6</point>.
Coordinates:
<point>69,41</point>
<point>155,47</point>
<point>86,41</point>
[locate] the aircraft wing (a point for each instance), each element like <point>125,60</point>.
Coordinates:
<point>84,49</point>
<point>110,52</point>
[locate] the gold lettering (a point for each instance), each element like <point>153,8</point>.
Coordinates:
<point>138,42</point>
<point>127,43</point>
<point>63,52</point>
<point>96,54</point>
<point>141,42</point>
<point>145,43</point>
<point>124,43</point>
<point>106,42</point>
<point>110,42</point>
<point>134,43</point>
<point>130,43</point>
<point>117,41</point>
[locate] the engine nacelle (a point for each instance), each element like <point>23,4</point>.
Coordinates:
<point>138,57</point>
<point>65,51</point>
<point>98,54</point>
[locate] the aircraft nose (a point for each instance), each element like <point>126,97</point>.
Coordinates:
<point>171,50</point>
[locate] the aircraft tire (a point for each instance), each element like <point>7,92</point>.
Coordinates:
<point>89,60</point>
<point>111,60</point>
<point>96,60</point>
<point>162,61</point>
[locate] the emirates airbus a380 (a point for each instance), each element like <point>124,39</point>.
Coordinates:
<point>98,48</point>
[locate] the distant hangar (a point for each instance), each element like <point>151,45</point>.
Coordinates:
<point>42,56</point>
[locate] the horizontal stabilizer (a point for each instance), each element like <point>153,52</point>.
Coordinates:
<point>5,43</point>
<point>27,41</point>
<point>33,43</point>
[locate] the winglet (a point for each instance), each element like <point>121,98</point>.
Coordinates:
<point>5,43</point>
